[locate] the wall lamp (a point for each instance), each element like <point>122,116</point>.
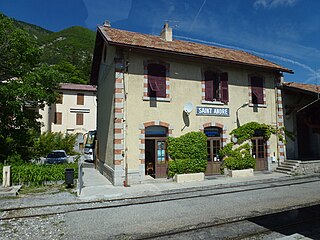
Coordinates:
<point>237,114</point>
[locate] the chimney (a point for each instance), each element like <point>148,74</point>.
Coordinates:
<point>166,33</point>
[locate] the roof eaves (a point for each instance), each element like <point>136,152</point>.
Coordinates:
<point>198,56</point>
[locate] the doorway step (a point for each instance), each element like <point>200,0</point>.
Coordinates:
<point>289,167</point>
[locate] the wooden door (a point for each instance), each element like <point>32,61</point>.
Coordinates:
<point>259,153</point>
<point>213,147</point>
<point>161,158</point>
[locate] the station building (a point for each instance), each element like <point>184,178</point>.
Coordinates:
<point>151,87</point>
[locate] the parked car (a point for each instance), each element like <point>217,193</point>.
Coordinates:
<point>57,156</point>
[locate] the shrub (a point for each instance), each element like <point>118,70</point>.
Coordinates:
<point>51,141</point>
<point>192,145</point>
<point>239,161</point>
<point>39,174</point>
<point>181,166</point>
<point>188,153</point>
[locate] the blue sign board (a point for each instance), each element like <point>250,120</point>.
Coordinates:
<point>213,111</point>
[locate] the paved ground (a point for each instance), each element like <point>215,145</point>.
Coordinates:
<point>97,186</point>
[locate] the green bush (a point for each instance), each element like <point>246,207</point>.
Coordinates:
<point>181,166</point>
<point>192,145</point>
<point>188,153</point>
<point>239,161</point>
<point>52,141</point>
<point>39,174</point>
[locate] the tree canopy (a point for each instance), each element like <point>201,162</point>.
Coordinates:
<point>25,87</point>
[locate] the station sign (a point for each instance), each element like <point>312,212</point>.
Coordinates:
<point>213,111</point>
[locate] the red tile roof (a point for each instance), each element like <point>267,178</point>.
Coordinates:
<point>77,87</point>
<point>145,41</point>
<point>302,86</point>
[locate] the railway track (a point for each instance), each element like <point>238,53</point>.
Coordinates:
<point>53,209</point>
<point>270,226</point>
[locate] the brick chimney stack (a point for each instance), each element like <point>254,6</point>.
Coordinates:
<point>166,33</point>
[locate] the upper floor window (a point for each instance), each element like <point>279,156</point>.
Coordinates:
<point>58,118</point>
<point>79,119</point>
<point>156,80</point>
<point>216,86</point>
<point>257,96</point>
<point>60,98</point>
<point>80,99</point>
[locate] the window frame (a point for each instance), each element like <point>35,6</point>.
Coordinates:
<point>165,97</point>
<point>220,80</point>
<point>80,98</point>
<point>261,101</point>
<point>57,118</point>
<point>79,119</point>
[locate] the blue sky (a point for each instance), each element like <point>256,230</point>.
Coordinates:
<point>286,32</point>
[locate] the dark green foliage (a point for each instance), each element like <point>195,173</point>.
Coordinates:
<point>52,141</point>
<point>189,153</point>
<point>239,160</point>
<point>19,53</point>
<point>191,145</point>
<point>73,46</point>
<point>34,31</point>
<point>25,87</point>
<point>181,166</point>
<point>39,174</point>
<point>247,131</point>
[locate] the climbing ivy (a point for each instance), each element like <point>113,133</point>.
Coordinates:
<point>247,131</point>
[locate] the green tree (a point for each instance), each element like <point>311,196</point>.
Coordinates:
<point>25,87</point>
<point>71,73</point>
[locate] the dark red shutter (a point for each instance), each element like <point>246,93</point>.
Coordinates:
<point>208,77</point>
<point>157,80</point>
<point>224,87</point>
<point>153,83</point>
<point>257,90</point>
<point>161,82</point>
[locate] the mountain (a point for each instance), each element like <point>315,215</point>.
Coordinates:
<point>35,31</point>
<point>73,45</point>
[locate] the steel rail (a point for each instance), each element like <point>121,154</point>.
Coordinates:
<point>125,202</point>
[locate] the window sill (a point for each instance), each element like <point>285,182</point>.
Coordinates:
<point>158,99</point>
<point>258,105</point>
<point>212,102</point>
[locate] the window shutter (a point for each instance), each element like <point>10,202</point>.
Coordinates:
<point>58,118</point>
<point>80,99</point>
<point>156,80</point>
<point>79,119</point>
<point>208,76</point>
<point>161,81</point>
<point>224,87</point>
<point>257,90</point>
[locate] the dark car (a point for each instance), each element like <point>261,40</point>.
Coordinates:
<point>57,156</point>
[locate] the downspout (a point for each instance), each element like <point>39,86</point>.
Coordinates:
<point>125,107</point>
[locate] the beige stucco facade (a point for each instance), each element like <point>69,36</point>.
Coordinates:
<point>121,95</point>
<point>69,108</point>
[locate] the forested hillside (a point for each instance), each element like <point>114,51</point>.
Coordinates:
<point>70,49</point>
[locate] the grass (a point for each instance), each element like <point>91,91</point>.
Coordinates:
<point>49,189</point>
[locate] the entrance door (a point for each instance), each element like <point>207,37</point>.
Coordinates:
<point>160,158</point>
<point>213,147</point>
<point>259,153</point>
<point>156,160</point>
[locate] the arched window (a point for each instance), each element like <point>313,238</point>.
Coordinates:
<point>156,80</point>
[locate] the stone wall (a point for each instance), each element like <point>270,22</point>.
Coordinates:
<point>309,167</point>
